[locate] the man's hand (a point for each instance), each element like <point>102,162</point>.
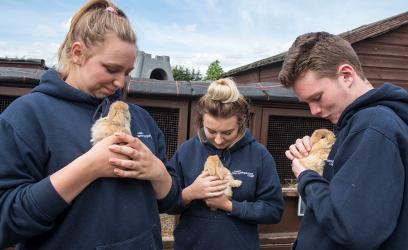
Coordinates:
<point>300,149</point>
<point>297,168</point>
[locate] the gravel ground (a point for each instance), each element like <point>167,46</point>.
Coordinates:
<point>167,225</point>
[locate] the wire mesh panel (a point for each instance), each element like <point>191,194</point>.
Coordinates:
<point>282,132</point>
<point>5,102</point>
<point>167,120</point>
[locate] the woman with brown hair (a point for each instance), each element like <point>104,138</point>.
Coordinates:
<point>223,114</point>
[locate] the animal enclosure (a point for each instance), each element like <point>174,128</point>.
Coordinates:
<point>277,120</point>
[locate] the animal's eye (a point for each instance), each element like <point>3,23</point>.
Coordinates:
<point>323,136</point>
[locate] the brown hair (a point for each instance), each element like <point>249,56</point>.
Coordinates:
<point>89,26</point>
<point>320,52</point>
<point>223,100</point>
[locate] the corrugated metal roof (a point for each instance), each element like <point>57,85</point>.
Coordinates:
<point>262,91</point>
<point>26,63</point>
<point>352,36</point>
<point>20,76</point>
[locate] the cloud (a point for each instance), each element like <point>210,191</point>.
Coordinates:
<point>3,45</point>
<point>260,48</point>
<point>213,5</point>
<point>66,25</point>
<point>197,49</point>
<point>190,28</point>
<point>186,29</point>
<point>36,50</point>
<point>44,30</point>
<point>287,45</point>
<point>195,33</point>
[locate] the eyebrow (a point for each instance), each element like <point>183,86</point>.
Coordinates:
<point>118,66</point>
<point>313,96</point>
<point>230,130</point>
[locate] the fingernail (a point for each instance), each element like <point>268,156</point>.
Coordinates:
<point>112,147</point>
<point>117,133</point>
<point>112,160</point>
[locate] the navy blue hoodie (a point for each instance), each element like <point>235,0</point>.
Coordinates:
<point>257,201</point>
<point>46,130</point>
<point>361,202</point>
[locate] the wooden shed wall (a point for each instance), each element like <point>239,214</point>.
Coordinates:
<point>266,73</point>
<point>385,58</point>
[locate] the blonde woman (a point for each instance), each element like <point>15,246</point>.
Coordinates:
<point>221,130</point>
<point>56,190</point>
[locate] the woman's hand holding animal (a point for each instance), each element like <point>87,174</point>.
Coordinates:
<point>99,157</point>
<point>141,164</point>
<point>72,179</point>
<point>300,149</point>
<point>203,187</point>
<point>221,202</point>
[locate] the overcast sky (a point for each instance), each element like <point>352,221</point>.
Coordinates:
<point>193,33</point>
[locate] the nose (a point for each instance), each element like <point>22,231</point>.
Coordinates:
<point>218,139</point>
<point>315,109</point>
<point>120,81</point>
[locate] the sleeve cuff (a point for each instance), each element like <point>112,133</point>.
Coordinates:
<point>47,199</point>
<point>166,202</point>
<point>237,208</point>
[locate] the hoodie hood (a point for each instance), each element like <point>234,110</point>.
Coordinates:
<point>51,84</point>
<point>225,154</point>
<point>394,97</point>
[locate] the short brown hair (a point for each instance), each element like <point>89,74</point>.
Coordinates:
<point>320,52</point>
<point>223,100</point>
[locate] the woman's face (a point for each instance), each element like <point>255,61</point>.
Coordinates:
<point>220,132</point>
<point>106,70</point>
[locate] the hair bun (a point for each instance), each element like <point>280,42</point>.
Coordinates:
<point>224,90</point>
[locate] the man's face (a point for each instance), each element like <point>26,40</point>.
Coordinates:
<point>326,97</point>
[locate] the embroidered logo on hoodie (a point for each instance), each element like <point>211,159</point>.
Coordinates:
<point>140,134</point>
<point>236,172</point>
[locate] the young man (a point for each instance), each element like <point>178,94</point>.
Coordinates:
<point>361,201</point>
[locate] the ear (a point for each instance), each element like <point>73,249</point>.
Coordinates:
<point>346,74</point>
<point>77,53</point>
<point>219,171</point>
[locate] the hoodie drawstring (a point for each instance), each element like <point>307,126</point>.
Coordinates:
<point>225,156</point>
<point>103,108</point>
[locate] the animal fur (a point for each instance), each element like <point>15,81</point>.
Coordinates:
<point>321,141</point>
<point>214,167</point>
<point>117,120</point>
